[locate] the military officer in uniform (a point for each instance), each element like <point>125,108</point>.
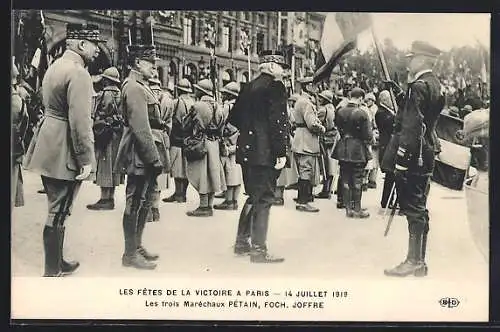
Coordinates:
<point>62,150</point>
<point>326,114</point>
<point>232,170</point>
<point>411,152</point>
<point>181,107</point>
<point>108,129</point>
<point>206,119</point>
<point>352,151</point>
<point>305,145</point>
<point>142,154</point>
<point>260,114</point>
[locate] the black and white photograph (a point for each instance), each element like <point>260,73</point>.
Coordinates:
<point>250,165</point>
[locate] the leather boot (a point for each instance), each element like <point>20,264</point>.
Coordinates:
<point>260,255</point>
<point>242,245</point>
<point>102,204</point>
<point>304,196</point>
<point>346,201</point>
<point>226,205</point>
<point>278,196</point>
<point>67,267</point>
<point>201,212</point>
<point>221,195</point>
<point>155,214</point>
<point>176,197</point>
<point>131,258</point>
<point>52,250</point>
<point>141,224</point>
<point>412,264</point>
<point>358,212</point>
<point>327,188</point>
<point>340,194</point>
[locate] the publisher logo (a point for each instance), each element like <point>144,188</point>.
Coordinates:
<point>449,302</point>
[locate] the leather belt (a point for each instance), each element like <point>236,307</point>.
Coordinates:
<point>54,116</point>
<point>300,125</point>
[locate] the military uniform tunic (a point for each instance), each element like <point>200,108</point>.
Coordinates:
<point>181,107</point>
<point>232,170</point>
<point>19,125</point>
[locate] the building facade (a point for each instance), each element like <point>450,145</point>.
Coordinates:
<point>185,40</point>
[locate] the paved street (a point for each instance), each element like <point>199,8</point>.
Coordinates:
<point>326,244</point>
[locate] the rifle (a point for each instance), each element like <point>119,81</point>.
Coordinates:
<point>393,210</point>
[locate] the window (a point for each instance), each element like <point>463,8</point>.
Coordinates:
<point>247,16</point>
<point>226,38</point>
<point>189,31</point>
<point>260,42</point>
<point>262,19</point>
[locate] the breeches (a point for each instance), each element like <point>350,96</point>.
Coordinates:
<point>306,166</point>
<point>352,174</point>
<point>140,192</point>
<point>60,197</point>
<point>412,195</point>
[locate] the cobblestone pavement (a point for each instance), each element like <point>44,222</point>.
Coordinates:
<point>324,245</point>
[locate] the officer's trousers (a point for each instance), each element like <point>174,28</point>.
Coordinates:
<point>412,196</point>
<point>60,197</point>
<point>351,175</point>
<point>260,183</point>
<point>139,196</point>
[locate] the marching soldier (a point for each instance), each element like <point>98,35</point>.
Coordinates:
<point>181,106</point>
<point>108,129</point>
<point>205,124</point>
<point>326,114</point>
<point>20,121</point>
<point>232,170</point>
<point>260,115</point>
<point>62,149</point>
<point>352,152</point>
<point>289,174</point>
<point>411,152</point>
<point>142,154</point>
<point>305,145</point>
<point>162,135</point>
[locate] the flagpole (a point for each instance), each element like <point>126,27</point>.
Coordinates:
<point>151,26</point>
<point>279,31</point>
<point>292,65</point>
<point>384,67</point>
<point>249,64</point>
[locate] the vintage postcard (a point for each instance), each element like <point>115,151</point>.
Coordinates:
<point>250,166</point>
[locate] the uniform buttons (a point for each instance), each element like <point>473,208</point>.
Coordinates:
<point>245,159</point>
<point>278,121</point>
<point>281,132</point>
<point>250,132</point>
<point>247,146</point>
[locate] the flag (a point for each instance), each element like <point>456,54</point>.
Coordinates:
<point>453,161</point>
<point>339,36</point>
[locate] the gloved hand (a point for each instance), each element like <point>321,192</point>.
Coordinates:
<point>392,85</point>
<point>280,163</point>
<point>85,171</point>
<point>155,168</point>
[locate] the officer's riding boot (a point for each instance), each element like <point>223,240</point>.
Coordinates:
<point>304,196</point>
<point>52,252</point>
<point>414,264</point>
<point>340,194</point>
<point>67,267</point>
<point>131,257</point>
<point>184,187</point>
<point>242,245</point>
<point>278,196</point>
<point>141,224</point>
<point>358,212</point>
<point>327,188</point>
<point>204,210</point>
<point>259,253</point>
<point>347,201</point>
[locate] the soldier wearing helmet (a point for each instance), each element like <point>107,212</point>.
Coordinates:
<point>232,170</point>
<point>108,129</point>
<point>179,109</point>
<point>204,126</point>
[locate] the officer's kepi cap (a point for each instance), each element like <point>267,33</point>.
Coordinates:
<point>143,52</point>
<point>423,48</point>
<point>88,32</point>
<point>273,56</point>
